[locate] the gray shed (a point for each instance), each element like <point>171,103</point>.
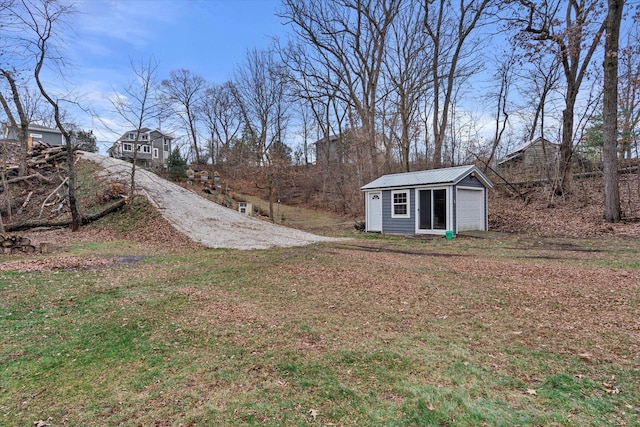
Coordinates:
<point>428,202</point>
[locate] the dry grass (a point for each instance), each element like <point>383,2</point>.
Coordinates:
<point>523,329</point>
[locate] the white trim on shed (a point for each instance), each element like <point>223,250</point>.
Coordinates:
<point>461,207</point>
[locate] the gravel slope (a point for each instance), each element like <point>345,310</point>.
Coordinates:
<point>202,220</point>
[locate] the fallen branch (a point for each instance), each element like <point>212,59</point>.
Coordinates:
<point>65,222</point>
<point>33,175</point>
<point>26,202</point>
<point>52,193</point>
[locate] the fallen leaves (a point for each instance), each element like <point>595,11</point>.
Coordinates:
<point>59,263</point>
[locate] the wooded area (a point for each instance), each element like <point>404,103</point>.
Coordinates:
<point>367,88</point>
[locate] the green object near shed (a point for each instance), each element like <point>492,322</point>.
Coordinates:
<point>448,234</point>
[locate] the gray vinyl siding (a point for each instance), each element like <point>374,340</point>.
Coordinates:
<point>53,138</point>
<point>398,225</point>
<point>39,134</point>
<point>450,178</point>
<point>470,181</point>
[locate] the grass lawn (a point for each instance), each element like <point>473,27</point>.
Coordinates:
<point>515,330</point>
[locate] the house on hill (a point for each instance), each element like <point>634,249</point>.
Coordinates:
<point>532,158</point>
<point>344,148</point>
<point>36,133</point>
<point>150,147</point>
<point>428,202</point>
<point>334,149</point>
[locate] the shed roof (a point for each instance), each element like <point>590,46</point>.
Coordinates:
<point>427,177</point>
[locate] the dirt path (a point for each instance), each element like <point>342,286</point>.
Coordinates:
<point>202,220</point>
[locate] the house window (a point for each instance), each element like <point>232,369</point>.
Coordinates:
<point>132,136</point>
<point>144,136</point>
<point>400,204</point>
<point>166,144</point>
<point>155,153</point>
<point>144,148</point>
<point>127,147</point>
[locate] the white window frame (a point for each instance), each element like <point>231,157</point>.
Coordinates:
<point>127,147</point>
<point>155,153</point>
<point>448,214</point>
<point>132,136</point>
<point>146,149</point>
<point>394,204</point>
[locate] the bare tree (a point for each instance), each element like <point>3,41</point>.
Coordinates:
<point>260,92</point>
<point>184,91</point>
<point>138,104</point>
<point>610,111</point>
<point>23,128</point>
<point>543,77</point>
<point>339,157</point>
<point>350,39</point>
<point>504,76</point>
<point>450,31</point>
<point>407,73</point>
<point>629,92</point>
<point>42,23</point>
<point>573,30</point>
<point>222,114</point>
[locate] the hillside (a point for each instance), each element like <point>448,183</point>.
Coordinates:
<point>538,211</point>
<point>306,207</point>
<point>577,215</point>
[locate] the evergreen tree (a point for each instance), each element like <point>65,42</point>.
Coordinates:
<point>176,165</point>
<point>86,140</point>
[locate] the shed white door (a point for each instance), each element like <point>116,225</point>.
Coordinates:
<point>374,211</point>
<point>470,209</point>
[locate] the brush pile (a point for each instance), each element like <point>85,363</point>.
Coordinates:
<point>40,191</point>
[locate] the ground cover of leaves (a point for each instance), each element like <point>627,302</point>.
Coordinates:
<point>524,330</point>
<point>537,326</point>
<point>579,214</point>
<point>143,227</point>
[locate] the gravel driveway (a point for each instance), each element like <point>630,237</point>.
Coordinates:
<point>202,220</point>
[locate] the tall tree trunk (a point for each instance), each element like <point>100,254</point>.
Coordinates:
<point>23,131</point>
<point>564,178</point>
<point>610,112</point>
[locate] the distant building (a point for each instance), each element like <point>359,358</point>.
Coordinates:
<point>36,133</point>
<point>334,149</point>
<point>153,147</point>
<point>345,147</point>
<point>534,152</point>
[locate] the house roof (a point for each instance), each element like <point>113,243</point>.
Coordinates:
<point>427,177</point>
<point>33,127</point>
<point>523,147</point>
<point>144,131</point>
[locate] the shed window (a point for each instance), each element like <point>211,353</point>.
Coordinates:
<point>400,204</point>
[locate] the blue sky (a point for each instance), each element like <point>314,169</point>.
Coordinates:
<point>207,37</point>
